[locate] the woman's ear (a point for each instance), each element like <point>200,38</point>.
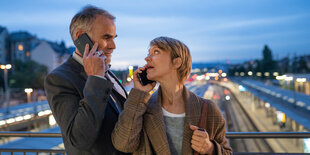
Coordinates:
<point>177,62</point>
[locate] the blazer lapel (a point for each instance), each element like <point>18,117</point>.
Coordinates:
<point>80,69</point>
<point>193,112</point>
<point>154,124</point>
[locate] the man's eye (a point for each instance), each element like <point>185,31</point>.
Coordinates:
<point>156,52</point>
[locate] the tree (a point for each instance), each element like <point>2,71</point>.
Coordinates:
<point>28,74</point>
<point>268,64</point>
<point>302,65</point>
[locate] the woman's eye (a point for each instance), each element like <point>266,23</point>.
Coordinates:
<point>156,52</point>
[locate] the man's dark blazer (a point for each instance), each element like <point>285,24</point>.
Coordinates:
<point>83,109</point>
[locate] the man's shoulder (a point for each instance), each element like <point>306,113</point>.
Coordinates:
<point>67,67</point>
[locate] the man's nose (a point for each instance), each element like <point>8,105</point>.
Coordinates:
<point>111,44</point>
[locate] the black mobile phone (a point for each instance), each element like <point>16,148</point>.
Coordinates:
<point>81,42</point>
<point>143,78</point>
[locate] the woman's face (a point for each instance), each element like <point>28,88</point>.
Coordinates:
<point>159,65</point>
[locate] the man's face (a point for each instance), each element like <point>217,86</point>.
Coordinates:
<point>103,32</point>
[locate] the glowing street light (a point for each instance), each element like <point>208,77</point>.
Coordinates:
<point>5,69</point>
<point>28,91</point>
<point>250,73</point>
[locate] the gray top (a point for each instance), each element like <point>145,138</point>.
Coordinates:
<point>174,124</point>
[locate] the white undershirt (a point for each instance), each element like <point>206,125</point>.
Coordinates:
<point>169,114</point>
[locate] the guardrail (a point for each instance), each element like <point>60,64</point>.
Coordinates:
<point>229,135</point>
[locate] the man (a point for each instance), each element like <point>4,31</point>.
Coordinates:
<point>84,96</point>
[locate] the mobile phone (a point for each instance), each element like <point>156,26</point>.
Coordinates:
<point>143,78</point>
<point>81,42</point>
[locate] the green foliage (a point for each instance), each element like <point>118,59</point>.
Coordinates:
<point>27,74</point>
<point>268,64</point>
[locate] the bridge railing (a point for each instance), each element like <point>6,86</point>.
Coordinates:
<point>229,135</point>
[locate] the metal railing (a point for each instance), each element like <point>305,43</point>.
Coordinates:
<point>229,135</point>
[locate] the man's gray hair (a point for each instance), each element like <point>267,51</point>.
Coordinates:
<point>85,18</point>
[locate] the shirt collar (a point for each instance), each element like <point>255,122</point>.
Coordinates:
<point>79,59</point>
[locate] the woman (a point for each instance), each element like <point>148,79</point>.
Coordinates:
<point>167,121</point>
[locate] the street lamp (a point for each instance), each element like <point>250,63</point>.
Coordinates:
<point>5,69</point>
<point>28,91</point>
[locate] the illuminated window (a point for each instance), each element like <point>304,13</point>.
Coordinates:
<point>20,47</point>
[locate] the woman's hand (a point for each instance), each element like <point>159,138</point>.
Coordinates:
<point>138,85</point>
<point>201,141</point>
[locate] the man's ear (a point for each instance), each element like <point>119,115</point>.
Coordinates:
<point>78,33</point>
<point>177,62</point>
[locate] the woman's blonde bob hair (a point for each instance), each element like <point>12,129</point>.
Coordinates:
<point>177,49</point>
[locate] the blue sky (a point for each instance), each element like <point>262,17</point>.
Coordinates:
<point>218,30</point>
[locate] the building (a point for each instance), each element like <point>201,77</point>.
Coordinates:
<point>21,43</point>
<point>4,45</point>
<point>50,54</point>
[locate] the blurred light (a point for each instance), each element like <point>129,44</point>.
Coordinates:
<point>224,74</point>
<point>47,112</point>
<point>41,113</point>
<point>250,73</point>
<point>213,74</point>
<point>242,74</point>
<point>227,97</point>
<point>275,73</point>
<point>11,120</point>
<point>207,77</point>
<point>214,96</point>
<point>225,79</point>
<point>236,74</point>
<point>280,116</point>
<point>20,47</point>
<point>195,70</point>
<point>289,78</point>
<point>2,122</point>
<point>28,54</point>
<point>267,105</point>
<point>258,74</point>
<point>220,71</point>
<point>301,79</point>
<point>8,66</point>
<point>194,76</point>
<point>128,79</point>
<point>216,78</point>
<point>266,73</point>
<point>19,118</point>
<point>27,116</point>
<point>200,77</point>
<point>51,120</point>
<point>241,88</point>
<point>28,90</point>
<point>281,77</point>
<point>205,69</point>
<point>226,92</point>
<point>130,68</point>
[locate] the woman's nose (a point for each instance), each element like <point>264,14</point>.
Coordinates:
<point>147,58</point>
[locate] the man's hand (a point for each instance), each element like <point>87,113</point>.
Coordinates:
<point>201,141</point>
<point>94,61</point>
<point>138,85</point>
